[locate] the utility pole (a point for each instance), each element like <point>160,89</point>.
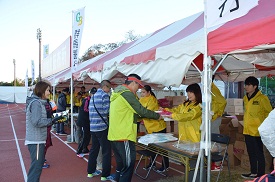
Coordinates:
<point>14,71</point>
<point>39,37</point>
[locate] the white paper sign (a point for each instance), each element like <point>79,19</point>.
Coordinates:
<point>221,11</point>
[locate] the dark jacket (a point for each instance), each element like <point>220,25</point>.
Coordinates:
<point>83,114</point>
<point>61,102</point>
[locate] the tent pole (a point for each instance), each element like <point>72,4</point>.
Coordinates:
<point>220,63</point>
<point>72,118</point>
<point>206,103</point>
<point>206,81</point>
<point>197,68</point>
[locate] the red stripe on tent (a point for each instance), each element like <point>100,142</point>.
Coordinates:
<point>264,68</point>
<point>255,28</point>
<point>149,55</point>
<point>194,26</point>
<point>98,65</point>
<point>140,58</point>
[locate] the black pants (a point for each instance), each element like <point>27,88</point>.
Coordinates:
<point>85,137</point>
<point>100,139</point>
<point>125,154</point>
<point>255,152</point>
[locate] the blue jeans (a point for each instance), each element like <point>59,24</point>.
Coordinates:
<point>59,127</point>
<point>37,152</point>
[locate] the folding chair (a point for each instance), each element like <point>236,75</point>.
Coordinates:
<point>220,157</point>
<point>145,153</point>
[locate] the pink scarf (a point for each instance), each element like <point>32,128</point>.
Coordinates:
<point>86,106</point>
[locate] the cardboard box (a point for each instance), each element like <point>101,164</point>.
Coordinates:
<point>170,98</point>
<point>239,117</point>
<point>234,109</point>
<point>232,137</point>
<point>245,162</point>
<point>245,150</point>
<point>225,129</point>
<point>225,120</point>
<point>234,102</point>
<point>239,137</point>
<point>268,160</point>
<point>234,123</point>
<point>177,100</point>
<point>234,113</point>
<point>170,126</point>
<point>165,102</point>
<point>233,160</point>
<point>240,127</point>
<point>239,148</point>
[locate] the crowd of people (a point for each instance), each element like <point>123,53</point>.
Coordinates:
<point>111,122</point>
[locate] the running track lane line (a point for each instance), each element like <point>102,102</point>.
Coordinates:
<point>22,162</point>
<point>19,152</point>
<point>87,159</point>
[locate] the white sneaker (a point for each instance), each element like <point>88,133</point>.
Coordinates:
<point>112,177</point>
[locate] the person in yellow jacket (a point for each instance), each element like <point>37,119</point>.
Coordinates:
<point>68,98</point>
<point>256,108</point>
<point>83,92</point>
<point>77,102</point>
<point>218,105</point>
<point>149,101</point>
<point>125,110</point>
<point>189,114</point>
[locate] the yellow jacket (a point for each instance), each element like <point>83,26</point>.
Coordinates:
<point>218,102</point>
<point>152,125</point>
<point>189,120</point>
<point>68,98</point>
<point>255,112</point>
<point>77,102</point>
<point>51,97</point>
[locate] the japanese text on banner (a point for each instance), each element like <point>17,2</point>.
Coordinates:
<point>78,23</point>
<point>222,11</point>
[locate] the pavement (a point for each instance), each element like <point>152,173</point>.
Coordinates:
<point>65,166</point>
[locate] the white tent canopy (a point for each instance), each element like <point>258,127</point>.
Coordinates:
<point>173,55</point>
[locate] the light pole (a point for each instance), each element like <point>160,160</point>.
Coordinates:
<point>39,37</point>
<point>14,83</point>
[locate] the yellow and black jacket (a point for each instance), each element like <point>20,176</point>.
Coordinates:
<point>256,110</point>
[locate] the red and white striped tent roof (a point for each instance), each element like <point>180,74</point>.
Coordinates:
<point>173,54</point>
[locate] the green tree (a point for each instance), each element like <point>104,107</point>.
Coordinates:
<point>98,49</point>
<point>267,85</point>
<point>6,83</point>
